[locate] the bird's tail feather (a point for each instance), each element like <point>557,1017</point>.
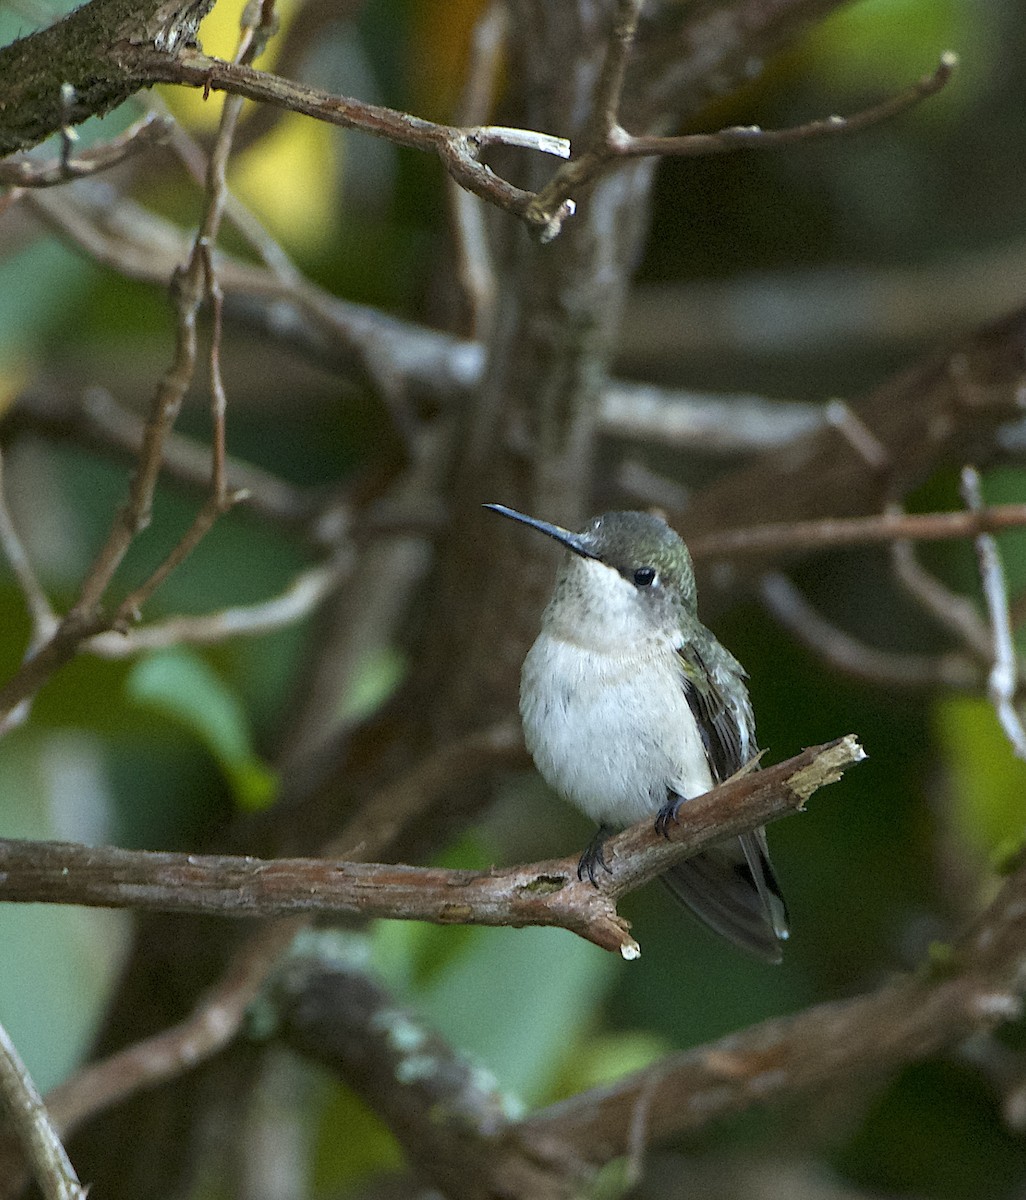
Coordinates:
<point>733,889</point>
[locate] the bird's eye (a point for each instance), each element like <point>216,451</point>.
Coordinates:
<point>644,576</point>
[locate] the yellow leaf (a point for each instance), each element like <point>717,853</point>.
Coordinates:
<point>288,179</point>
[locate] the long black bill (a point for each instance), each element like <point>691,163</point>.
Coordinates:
<point>577,542</point>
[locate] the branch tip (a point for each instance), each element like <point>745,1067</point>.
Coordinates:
<point>826,768</point>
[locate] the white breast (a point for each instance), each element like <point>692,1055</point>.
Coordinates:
<point>611,732</point>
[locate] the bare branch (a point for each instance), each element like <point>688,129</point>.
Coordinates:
<point>302,596</point>
<point>795,536</point>
<point>25,172</point>
<point>808,1054</point>
<point>428,364</point>
<point>609,90</point>
<point>952,612</point>
<point>24,1108</point>
<point>855,658</point>
<point>209,1028</point>
<point>44,621</point>
<point>752,137</point>
<point>191,284</point>
<point>547,893</point>
<point>1003,680</point>
<point>554,203</point>
<point>216,1019</point>
<point>449,1114</point>
<point>473,254</point>
<point>710,423</point>
<point>458,149</point>
<point>607,141</point>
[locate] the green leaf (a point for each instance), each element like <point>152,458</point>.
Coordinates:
<point>988,807</point>
<point>181,685</point>
<point>518,1001</point>
<point>364,1147</point>
<point>59,961</point>
<point>890,43</point>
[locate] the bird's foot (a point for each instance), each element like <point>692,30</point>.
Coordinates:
<point>668,814</point>
<point>594,857</point>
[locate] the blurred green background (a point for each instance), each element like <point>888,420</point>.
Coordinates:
<point>885,863</point>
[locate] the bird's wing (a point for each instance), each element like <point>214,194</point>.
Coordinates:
<point>732,886</point>
<point>717,696</point>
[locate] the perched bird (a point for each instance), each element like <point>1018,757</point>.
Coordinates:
<point>631,707</point>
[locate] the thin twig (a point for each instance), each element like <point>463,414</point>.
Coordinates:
<point>299,599</point>
<point>605,111</point>
<point>194,158</point>
<point>953,612</point>
<point>830,532</point>
<point>842,417</point>
<point>608,142</point>
<point>838,648</point>
<point>202,283</point>
<point>28,1116</point>
<point>44,621</point>
<point>752,137</point>
<point>25,172</point>
<point>1004,674</point>
<point>474,265</point>
<point>548,210</point>
<point>191,284</point>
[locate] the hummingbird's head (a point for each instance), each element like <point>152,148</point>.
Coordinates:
<point>627,563</point>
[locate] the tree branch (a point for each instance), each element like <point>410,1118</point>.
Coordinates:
<point>447,1113</point>
<point>753,137</point>
<point>942,410</point>
<point>846,653</point>
<point>24,1108</point>
<point>115,54</point>
<point>548,893</point>
<point>827,533</point>
<point>1003,679</point>
<point>810,1053</point>
<point>148,131</point>
<point>607,141</point>
<point>191,284</point>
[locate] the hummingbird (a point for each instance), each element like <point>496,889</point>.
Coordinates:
<point>631,707</point>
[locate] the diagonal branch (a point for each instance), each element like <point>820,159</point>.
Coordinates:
<point>191,284</point>
<point>21,1103</point>
<point>608,142</point>
<point>548,893</point>
<point>846,653</point>
<point>797,1058</point>
<point>754,137</point>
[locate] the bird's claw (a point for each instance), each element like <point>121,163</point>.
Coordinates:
<point>594,857</point>
<point>667,814</point>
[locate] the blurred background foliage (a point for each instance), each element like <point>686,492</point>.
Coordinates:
<point>818,254</point>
